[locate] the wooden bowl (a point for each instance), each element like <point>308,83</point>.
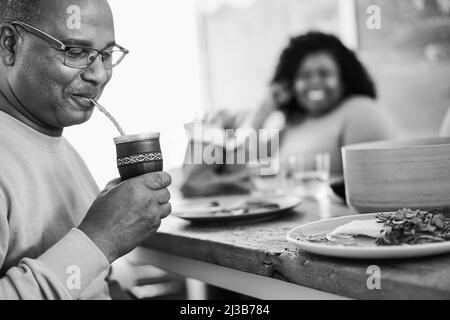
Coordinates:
<point>390,175</point>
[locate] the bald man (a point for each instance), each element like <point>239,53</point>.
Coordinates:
<point>58,234</point>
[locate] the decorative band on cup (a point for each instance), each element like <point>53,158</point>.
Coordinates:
<point>139,158</point>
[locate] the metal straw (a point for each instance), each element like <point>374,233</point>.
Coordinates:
<point>103,110</point>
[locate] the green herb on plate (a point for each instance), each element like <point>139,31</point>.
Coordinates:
<point>413,227</point>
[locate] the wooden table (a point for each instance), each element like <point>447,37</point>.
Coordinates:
<point>255,259</point>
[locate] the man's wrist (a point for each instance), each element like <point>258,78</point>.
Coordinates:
<point>98,242</point>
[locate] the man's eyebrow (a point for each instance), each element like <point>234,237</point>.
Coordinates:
<point>84,43</point>
<point>77,42</point>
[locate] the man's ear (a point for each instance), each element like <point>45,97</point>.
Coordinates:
<point>8,41</point>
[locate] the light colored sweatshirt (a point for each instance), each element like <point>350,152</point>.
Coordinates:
<point>45,192</point>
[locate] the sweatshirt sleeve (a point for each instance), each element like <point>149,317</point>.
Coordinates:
<point>62,272</point>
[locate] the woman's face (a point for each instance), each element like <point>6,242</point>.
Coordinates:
<point>318,84</point>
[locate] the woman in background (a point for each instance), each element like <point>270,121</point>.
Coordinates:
<point>327,97</point>
<point>328,100</point>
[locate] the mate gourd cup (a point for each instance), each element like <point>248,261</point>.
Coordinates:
<point>138,154</point>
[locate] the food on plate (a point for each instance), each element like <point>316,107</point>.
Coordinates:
<point>246,207</point>
<point>239,208</point>
<point>413,227</point>
<point>369,228</point>
<point>404,227</point>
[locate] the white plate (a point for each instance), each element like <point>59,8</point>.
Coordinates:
<point>365,248</point>
<point>199,209</point>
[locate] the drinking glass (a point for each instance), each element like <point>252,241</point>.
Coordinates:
<point>268,177</point>
<point>308,175</point>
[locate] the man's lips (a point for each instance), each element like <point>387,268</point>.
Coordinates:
<point>84,100</point>
<point>85,95</point>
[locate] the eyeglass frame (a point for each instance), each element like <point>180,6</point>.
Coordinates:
<point>58,45</point>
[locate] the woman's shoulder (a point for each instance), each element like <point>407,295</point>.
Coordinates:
<point>359,103</point>
<point>364,118</point>
<point>356,107</point>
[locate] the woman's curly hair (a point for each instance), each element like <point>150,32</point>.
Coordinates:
<point>355,77</point>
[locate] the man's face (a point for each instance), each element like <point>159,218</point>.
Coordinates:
<point>55,94</point>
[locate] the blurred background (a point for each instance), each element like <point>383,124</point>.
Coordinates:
<point>408,56</point>
<point>188,57</point>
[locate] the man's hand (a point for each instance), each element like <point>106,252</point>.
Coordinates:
<point>123,216</point>
<point>111,185</point>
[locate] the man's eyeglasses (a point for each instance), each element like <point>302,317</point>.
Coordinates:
<point>76,56</point>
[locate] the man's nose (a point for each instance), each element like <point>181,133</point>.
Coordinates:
<point>96,72</point>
